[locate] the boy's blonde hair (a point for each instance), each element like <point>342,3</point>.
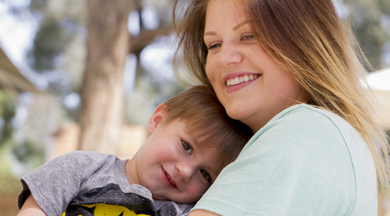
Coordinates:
<point>203,114</point>
<point>308,40</point>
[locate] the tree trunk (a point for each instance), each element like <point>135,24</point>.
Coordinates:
<point>102,96</point>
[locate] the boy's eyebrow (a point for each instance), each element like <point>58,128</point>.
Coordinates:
<point>239,25</point>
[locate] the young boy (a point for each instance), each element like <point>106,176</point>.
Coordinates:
<point>191,140</point>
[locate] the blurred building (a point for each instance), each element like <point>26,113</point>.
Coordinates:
<point>11,77</point>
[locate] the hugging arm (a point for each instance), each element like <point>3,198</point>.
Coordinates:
<point>53,185</point>
<point>200,212</point>
<point>31,208</point>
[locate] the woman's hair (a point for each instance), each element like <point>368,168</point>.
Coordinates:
<point>205,116</point>
<point>308,40</point>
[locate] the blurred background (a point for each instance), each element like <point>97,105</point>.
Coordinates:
<point>115,58</point>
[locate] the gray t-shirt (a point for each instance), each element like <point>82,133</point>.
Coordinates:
<point>90,183</point>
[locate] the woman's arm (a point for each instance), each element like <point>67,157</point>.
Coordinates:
<point>200,212</point>
<point>31,208</point>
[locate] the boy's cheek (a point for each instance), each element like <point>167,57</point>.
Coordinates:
<point>196,190</point>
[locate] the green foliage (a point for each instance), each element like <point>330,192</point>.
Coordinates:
<point>61,22</point>
<point>384,5</point>
<point>37,5</point>
<point>370,33</point>
<point>27,152</point>
<point>7,113</point>
<point>23,151</point>
<point>371,36</point>
<point>49,43</point>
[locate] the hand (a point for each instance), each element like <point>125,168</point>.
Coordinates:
<point>31,208</point>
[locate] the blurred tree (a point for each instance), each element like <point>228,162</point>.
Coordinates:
<point>59,52</point>
<point>101,116</point>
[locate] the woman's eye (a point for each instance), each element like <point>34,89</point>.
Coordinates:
<point>213,46</point>
<point>247,37</point>
<point>205,175</point>
<point>186,146</point>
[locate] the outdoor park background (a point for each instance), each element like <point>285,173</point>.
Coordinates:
<point>43,71</point>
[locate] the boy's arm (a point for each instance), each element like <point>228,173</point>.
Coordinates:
<point>55,184</point>
<point>31,208</point>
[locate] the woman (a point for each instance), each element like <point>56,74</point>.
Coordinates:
<point>289,70</point>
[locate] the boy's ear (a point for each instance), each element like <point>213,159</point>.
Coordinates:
<point>156,118</point>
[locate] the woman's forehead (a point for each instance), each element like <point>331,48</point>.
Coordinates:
<point>226,11</point>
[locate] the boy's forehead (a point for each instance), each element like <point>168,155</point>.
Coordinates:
<point>197,138</point>
<point>197,134</point>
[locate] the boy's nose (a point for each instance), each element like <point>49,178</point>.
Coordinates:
<point>186,170</point>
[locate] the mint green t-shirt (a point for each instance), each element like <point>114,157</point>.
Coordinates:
<point>305,161</point>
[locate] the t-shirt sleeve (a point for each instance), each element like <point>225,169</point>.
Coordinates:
<point>171,208</point>
<point>296,165</point>
<point>54,184</point>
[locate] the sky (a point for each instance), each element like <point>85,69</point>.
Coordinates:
<point>16,35</point>
<point>379,80</point>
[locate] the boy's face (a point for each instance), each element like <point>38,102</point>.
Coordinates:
<point>171,165</point>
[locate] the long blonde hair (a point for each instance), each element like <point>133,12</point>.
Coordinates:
<point>309,41</point>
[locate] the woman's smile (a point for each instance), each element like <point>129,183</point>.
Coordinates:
<point>239,80</point>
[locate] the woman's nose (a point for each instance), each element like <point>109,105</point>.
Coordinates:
<point>229,55</point>
<point>186,170</point>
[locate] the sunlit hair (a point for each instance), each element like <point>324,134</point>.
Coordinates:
<point>308,40</point>
<point>206,118</point>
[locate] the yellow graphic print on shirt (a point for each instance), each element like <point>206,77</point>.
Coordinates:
<point>102,209</point>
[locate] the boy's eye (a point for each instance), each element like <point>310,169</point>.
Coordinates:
<point>205,175</point>
<point>186,146</point>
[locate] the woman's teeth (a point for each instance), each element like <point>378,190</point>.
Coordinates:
<point>240,79</point>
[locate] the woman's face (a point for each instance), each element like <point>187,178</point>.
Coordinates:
<point>248,82</point>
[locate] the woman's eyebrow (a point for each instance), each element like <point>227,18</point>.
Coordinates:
<point>210,33</point>
<point>239,25</point>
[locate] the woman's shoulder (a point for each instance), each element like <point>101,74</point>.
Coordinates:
<point>305,120</point>
<point>309,115</point>
<point>304,156</point>
<point>304,129</point>
<point>320,146</point>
